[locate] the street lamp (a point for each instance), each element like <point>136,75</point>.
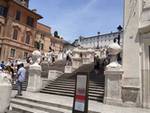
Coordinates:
<point>119,30</point>
<point>98,40</point>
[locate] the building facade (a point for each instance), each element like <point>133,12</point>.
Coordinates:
<point>99,41</point>
<point>43,37</point>
<point>17,29</point>
<point>136,53</point>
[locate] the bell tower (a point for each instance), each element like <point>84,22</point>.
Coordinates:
<point>24,3</point>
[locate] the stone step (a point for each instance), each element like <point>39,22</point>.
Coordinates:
<point>73,86</point>
<point>69,93</point>
<point>44,106</point>
<point>36,107</point>
<point>23,109</point>
<point>73,81</point>
<point>96,97</point>
<point>72,89</point>
<point>57,93</point>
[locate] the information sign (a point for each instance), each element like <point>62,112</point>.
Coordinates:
<point>80,104</point>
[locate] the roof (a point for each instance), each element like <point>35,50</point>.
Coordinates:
<point>111,33</point>
<point>44,25</point>
<point>67,43</point>
<point>43,28</point>
<point>38,15</point>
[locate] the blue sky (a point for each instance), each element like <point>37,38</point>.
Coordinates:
<point>72,18</point>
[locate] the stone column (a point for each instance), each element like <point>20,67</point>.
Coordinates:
<point>113,77</point>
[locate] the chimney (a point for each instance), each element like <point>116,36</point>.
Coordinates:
<point>34,10</point>
<point>23,3</point>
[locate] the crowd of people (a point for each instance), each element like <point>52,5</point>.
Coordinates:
<point>15,71</point>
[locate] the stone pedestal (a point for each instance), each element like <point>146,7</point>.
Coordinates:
<point>76,63</point>
<point>86,61</point>
<point>68,69</point>
<point>45,69</point>
<point>113,79</point>
<point>54,74</point>
<point>5,93</point>
<point>34,81</point>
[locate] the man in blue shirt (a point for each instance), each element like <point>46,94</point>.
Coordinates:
<point>21,78</point>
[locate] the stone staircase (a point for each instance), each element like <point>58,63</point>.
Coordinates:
<point>65,85</point>
<point>59,65</point>
<point>30,105</point>
<point>60,91</point>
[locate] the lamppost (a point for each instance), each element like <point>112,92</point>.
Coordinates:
<point>119,29</point>
<point>98,33</point>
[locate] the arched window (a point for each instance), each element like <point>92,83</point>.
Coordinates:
<point>15,34</point>
<point>28,38</point>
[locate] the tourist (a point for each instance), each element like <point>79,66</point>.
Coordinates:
<point>49,58</point>
<point>81,56</point>
<point>53,57</point>
<point>96,64</point>
<point>21,76</point>
<point>12,68</point>
<point>68,58</point>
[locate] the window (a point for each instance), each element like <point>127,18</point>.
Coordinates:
<point>18,15</point>
<point>25,55</point>
<point>27,40</point>
<point>3,11</point>
<point>30,21</point>
<point>12,53</point>
<point>15,34</point>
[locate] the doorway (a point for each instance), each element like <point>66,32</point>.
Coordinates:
<point>146,74</point>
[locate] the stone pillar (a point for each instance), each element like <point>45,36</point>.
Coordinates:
<point>34,80</point>
<point>113,77</point>
<point>113,87</point>
<point>68,69</point>
<point>76,63</point>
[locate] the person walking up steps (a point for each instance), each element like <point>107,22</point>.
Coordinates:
<point>21,78</point>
